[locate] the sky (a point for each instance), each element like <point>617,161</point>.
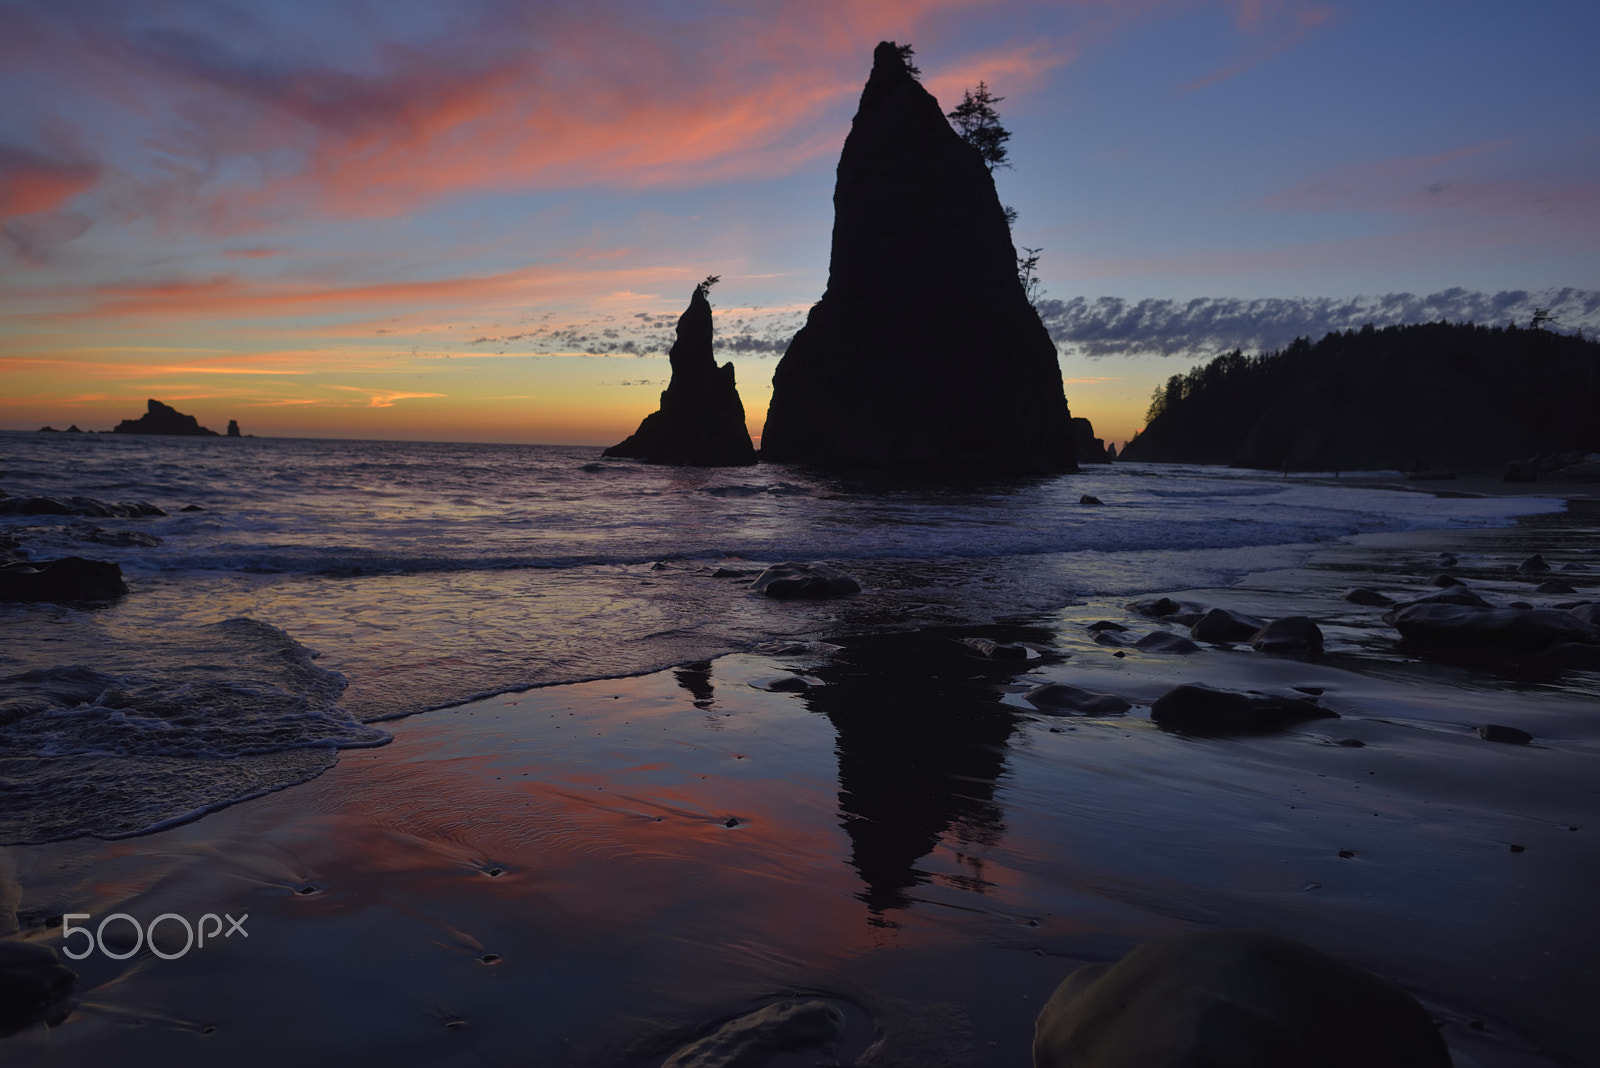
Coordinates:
<point>480,220</point>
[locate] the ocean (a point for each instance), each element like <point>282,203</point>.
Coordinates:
<point>298,593</point>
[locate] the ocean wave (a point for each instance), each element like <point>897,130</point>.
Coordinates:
<point>210,717</point>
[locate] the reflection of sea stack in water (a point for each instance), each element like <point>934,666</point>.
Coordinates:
<point>701,421</point>
<point>163,419</point>
<point>924,351</point>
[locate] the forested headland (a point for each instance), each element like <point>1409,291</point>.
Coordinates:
<point>1427,396</point>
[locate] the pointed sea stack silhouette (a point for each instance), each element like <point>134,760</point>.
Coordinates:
<point>924,352</point>
<point>701,421</point>
<point>163,419</point>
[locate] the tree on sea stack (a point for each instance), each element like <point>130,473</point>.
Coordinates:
<point>924,353</point>
<point>701,421</point>
<point>978,123</point>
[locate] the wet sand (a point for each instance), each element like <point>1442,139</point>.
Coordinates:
<point>594,874</point>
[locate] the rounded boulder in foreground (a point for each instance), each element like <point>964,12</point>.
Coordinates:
<point>792,581</point>
<point>1290,636</point>
<point>1233,998</point>
<point>1198,709</point>
<point>1060,697</point>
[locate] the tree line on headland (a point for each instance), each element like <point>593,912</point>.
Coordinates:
<point>1415,397</point>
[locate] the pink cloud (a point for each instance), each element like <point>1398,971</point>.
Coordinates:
<point>238,129</point>
<point>386,398</point>
<point>1272,27</point>
<point>1483,178</point>
<point>31,181</point>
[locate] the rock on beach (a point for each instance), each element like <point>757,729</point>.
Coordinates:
<point>1222,625</point>
<point>71,578</point>
<point>794,581</point>
<point>1198,709</point>
<point>1231,999</point>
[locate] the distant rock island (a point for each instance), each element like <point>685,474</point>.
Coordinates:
<point>1090,449</point>
<point>1423,397</point>
<point>164,419</point>
<point>924,352</point>
<point>701,420</point>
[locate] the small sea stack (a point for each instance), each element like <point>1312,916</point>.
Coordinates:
<point>1090,449</point>
<point>163,419</point>
<point>924,353</point>
<point>701,420</point>
<point>233,428</point>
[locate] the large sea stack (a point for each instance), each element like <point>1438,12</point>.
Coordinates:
<point>163,419</point>
<point>924,353</point>
<point>701,421</point>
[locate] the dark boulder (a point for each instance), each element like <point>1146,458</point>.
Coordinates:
<point>1200,709</point>
<point>701,420</point>
<point>924,352</point>
<point>1372,598</point>
<point>989,649</point>
<point>1533,565</point>
<point>163,419</point>
<point>34,986</point>
<point>1164,641</point>
<point>1230,999</point>
<point>1509,629</point>
<point>1443,581</point>
<point>792,581</point>
<point>233,428</point>
<point>1089,498</point>
<point>1221,625</point>
<point>1060,697</point>
<point>1588,612</point>
<point>71,578</point>
<point>1154,607</point>
<point>1291,635</point>
<point>1554,586</point>
<point>1495,732</point>
<point>1185,613</point>
<point>1111,454</point>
